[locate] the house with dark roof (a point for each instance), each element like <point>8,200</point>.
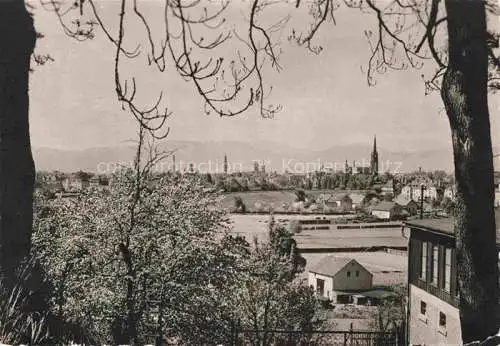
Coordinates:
<point>387,210</point>
<point>409,205</point>
<point>433,298</point>
<point>336,278</point>
<point>340,201</point>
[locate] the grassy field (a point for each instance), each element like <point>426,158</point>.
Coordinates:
<point>260,200</point>
<point>251,225</point>
<point>263,200</point>
<point>350,238</point>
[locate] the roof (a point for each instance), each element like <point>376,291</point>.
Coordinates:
<point>446,225</point>
<point>331,265</point>
<point>385,206</point>
<point>357,198</point>
<point>401,200</point>
<point>332,197</point>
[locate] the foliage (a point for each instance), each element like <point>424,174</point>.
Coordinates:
<point>146,259</point>
<point>239,205</point>
<point>270,296</point>
<point>390,314</point>
<point>300,196</point>
<point>18,323</point>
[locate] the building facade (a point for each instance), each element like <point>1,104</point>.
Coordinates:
<point>387,210</point>
<point>433,286</point>
<point>434,317</point>
<point>333,275</point>
<point>414,192</point>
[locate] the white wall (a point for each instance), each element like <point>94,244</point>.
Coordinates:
<point>328,289</point>
<point>381,214</point>
<point>425,330</point>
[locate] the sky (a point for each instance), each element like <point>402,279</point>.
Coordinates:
<point>325,98</point>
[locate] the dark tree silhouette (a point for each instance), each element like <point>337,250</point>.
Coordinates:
<point>464,93</point>
<point>450,33</point>
<point>453,34</point>
<point>17,41</point>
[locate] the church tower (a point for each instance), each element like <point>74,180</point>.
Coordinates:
<point>225,164</point>
<point>374,158</point>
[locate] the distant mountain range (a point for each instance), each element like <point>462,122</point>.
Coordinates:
<point>209,156</point>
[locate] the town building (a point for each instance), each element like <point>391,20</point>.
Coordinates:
<point>432,283</point>
<point>409,205</point>
<point>414,191</point>
<point>340,201</point>
<point>357,199</point>
<point>76,182</point>
<point>338,278</point>
<point>387,210</point>
<point>388,188</point>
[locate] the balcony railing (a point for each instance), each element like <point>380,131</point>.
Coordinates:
<point>436,291</point>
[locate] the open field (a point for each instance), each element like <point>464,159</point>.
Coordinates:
<point>350,238</point>
<point>250,225</point>
<point>266,199</point>
<point>263,200</point>
<point>257,225</point>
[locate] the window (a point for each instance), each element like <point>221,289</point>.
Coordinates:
<point>357,273</point>
<point>320,287</point>
<point>423,270</point>
<point>435,264</point>
<point>442,320</point>
<point>348,274</point>
<point>447,270</point>
<point>423,307</point>
<point>442,324</point>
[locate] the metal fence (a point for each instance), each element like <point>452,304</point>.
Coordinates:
<point>314,338</point>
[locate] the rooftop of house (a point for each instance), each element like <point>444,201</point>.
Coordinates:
<point>402,200</point>
<point>446,225</point>
<point>357,197</point>
<point>331,265</point>
<point>384,206</point>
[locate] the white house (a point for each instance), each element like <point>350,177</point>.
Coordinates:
<point>357,199</point>
<point>387,210</point>
<point>333,275</point>
<point>414,191</point>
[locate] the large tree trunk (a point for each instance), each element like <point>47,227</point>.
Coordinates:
<point>464,92</point>
<point>17,41</point>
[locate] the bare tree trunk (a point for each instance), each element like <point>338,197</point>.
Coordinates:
<point>17,41</point>
<point>464,92</point>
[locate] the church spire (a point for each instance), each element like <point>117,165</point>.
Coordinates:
<point>374,158</point>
